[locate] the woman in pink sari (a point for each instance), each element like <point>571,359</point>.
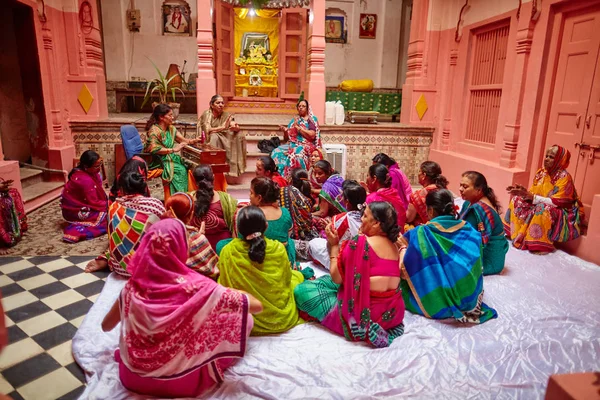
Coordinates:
<point>84,203</point>
<point>379,184</point>
<point>179,329</point>
<point>399,180</point>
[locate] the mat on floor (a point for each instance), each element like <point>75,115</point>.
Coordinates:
<point>548,323</point>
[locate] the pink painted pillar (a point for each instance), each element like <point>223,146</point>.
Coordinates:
<point>512,128</point>
<point>206,84</point>
<point>447,124</point>
<point>316,59</point>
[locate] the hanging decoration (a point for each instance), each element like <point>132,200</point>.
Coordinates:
<point>258,4</point>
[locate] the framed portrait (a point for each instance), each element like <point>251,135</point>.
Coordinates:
<point>335,29</point>
<point>253,39</point>
<point>177,18</point>
<point>367,26</point>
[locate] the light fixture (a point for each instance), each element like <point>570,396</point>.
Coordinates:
<point>252,12</point>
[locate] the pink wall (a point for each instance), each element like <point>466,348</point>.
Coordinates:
<point>439,69</point>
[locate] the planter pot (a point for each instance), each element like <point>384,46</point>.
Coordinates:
<point>174,106</point>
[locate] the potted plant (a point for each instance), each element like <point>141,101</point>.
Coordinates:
<point>163,88</point>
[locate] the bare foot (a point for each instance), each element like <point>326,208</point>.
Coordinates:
<point>96,265</point>
<point>4,251</point>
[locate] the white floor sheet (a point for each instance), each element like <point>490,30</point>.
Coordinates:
<point>548,322</point>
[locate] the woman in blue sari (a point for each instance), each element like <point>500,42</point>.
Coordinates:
<point>303,134</point>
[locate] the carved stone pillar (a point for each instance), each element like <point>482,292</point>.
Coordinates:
<point>512,128</point>
<point>56,136</point>
<point>206,84</point>
<point>445,142</point>
<point>416,43</point>
<point>316,59</point>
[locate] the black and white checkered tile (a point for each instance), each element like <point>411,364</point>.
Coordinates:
<point>45,300</point>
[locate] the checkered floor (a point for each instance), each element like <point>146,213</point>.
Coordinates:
<point>45,300</point>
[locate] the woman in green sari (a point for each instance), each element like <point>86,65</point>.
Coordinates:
<point>259,266</point>
<point>481,209</point>
<point>165,142</point>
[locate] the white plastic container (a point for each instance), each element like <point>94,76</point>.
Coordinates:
<point>339,113</point>
<point>329,112</point>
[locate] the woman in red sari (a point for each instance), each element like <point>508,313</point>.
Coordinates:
<point>179,329</point>
<point>265,166</point>
<point>84,203</point>
<point>431,178</point>
<point>380,187</point>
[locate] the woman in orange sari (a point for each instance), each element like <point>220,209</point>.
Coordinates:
<point>550,211</point>
<point>431,178</point>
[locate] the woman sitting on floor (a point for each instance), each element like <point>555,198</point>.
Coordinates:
<point>316,154</point>
<point>346,224</point>
<point>360,299</point>
<point>399,180</point>
<point>213,208</point>
<point>202,258</point>
<point>550,211</point>
<point>129,218</point>
<point>164,141</point>
<point>480,209</point>
<point>84,203</point>
<point>441,260</point>
<point>165,311</point>
<point>260,266</point>
<point>330,195</point>
<point>296,198</point>
<point>265,166</point>
<point>379,183</point>
<point>431,178</point>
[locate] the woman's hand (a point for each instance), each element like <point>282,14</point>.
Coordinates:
<point>282,128</point>
<point>518,190</point>
<point>401,242</point>
<point>332,236</point>
<point>177,148</point>
<point>364,185</point>
<point>202,228</point>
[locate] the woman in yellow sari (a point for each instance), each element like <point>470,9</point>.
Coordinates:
<point>550,211</point>
<point>260,266</point>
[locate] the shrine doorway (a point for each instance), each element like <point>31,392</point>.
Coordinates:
<point>260,54</point>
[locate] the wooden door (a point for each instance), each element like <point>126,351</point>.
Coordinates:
<point>572,86</point>
<point>224,49</point>
<point>292,48</point>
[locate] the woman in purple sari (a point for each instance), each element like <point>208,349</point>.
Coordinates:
<point>84,203</point>
<point>361,299</point>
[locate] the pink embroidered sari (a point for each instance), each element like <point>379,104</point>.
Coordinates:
<point>179,329</point>
<point>391,196</point>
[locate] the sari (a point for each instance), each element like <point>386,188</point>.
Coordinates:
<point>417,199</point>
<point>271,282</point>
<point>280,180</point>
<point>401,183</point>
<point>201,258</point>
<point>332,193</point>
<point>219,219</point>
<point>175,173</point>
<point>442,272</point>
<point>391,196</point>
<point>346,225</point>
<point>295,153</point>
<point>352,309</point>
<point>13,220</point>
<point>535,226</point>
<point>179,329</point>
<point>129,218</point>
<point>299,208</point>
<point>84,206</point>
<point>233,143</point>
<point>485,219</point>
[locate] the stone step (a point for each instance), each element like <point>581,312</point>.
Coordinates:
<point>41,193</point>
<point>30,176</point>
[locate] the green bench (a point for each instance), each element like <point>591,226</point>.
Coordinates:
<point>383,103</point>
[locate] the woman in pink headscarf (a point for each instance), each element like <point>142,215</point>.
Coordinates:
<point>179,329</point>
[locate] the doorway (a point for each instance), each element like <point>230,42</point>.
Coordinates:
<point>574,119</point>
<point>22,116</point>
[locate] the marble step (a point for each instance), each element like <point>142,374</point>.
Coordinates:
<point>30,176</point>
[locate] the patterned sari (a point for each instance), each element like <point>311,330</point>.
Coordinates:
<point>201,258</point>
<point>271,282</point>
<point>295,153</point>
<point>332,193</point>
<point>486,220</point>
<point>179,329</point>
<point>13,220</point>
<point>417,199</point>
<point>234,143</point>
<point>84,206</point>
<point>391,196</point>
<point>174,171</point>
<point>346,225</point>
<point>129,218</point>
<point>300,209</point>
<point>401,183</point>
<point>352,309</point>
<point>536,227</point>
<point>442,272</point>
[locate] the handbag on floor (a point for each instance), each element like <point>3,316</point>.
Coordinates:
<point>268,145</point>
<point>13,221</point>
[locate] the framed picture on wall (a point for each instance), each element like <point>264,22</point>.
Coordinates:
<point>368,26</point>
<point>335,29</point>
<point>177,18</point>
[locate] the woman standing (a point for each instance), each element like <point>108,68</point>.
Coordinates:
<point>259,266</point>
<point>83,202</point>
<point>166,142</point>
<point>361,299</point>
<point>442,272</point>
<point>431,178</point>
<point>223,132</point>
<point>302,132</point>
<point>379,184</point>
<point>159,355</point>
<point>399,180</point>
<point>481,210</point>
<point>550,211</point>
